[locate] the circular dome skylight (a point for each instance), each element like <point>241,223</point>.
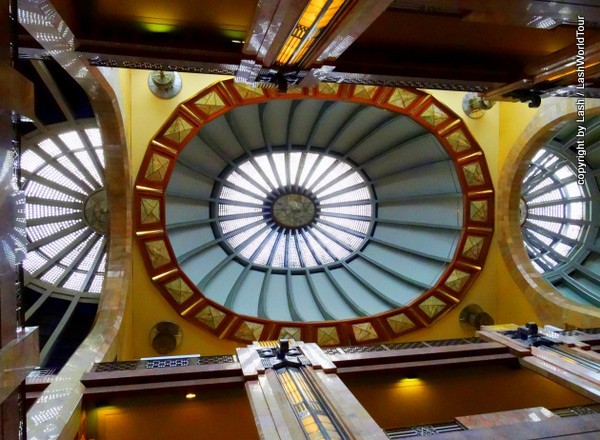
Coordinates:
<point>67,212</point>
<point>554,211</point>
<point>294,210</point>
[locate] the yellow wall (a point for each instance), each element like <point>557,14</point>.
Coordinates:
<point>394,401</point>
<point>494,290</point>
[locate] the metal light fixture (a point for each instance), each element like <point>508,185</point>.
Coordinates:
<point>163,84</point>
<point>475,106</point>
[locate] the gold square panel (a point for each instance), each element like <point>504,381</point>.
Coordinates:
<point>210,103</point>
<point>432,306</point>
<point>178,130</point>
<point>473,174</point>
<point>400,323</point>
<point>179,290</point>
<point>211,317</point>
<point>434,116</point>
<point>479,211</point>
<point>157,168</point>
<point>365,92</point>
<point>150,210</point>
<point>157,252</point>
<point>457,280</point>
<point>329,88</point>
<point>247,91</point>
<point>401,98</point>
<point>290,333</point>
<point>473,246</point>
<point>458,141</point>
<point>327,336</point>
<point>249,331</point>
<point>364,331</point>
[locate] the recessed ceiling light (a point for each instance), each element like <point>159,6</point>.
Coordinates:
<point>190,396</point>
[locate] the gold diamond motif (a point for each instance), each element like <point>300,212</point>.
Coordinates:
<point>473,174</point>
<point>457,280</point>
<point>150,210</point>
<point>473,246</point>
<point>364,331</point>
<point>458,141</point>
<point>400,323</point>
<point>211,317</point>
<point>327,336</point>
<point>479,211</point>
<point>157,252</point>
<point>210,103</point>
<point>249,331</point>
<point>329,88</point>
<point>157,168</point>
<point>434,116</point>
<point>179,290</point>
<point>401,98</point>
<point>365,92</point>
<point>178,130</point>
<point>247,91</point>
<point>295,90</point>
<point>290,333</point>
<point>432,306</point>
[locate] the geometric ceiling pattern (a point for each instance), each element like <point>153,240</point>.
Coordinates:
<point>221,103</point>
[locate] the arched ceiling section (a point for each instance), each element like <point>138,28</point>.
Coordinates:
<point>394,224</point>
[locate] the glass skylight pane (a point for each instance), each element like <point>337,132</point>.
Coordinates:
<point>340,169</point>
<point>31,161</point>
<point>548,197</point>
<point>36,233</point>
<point>232,225</point>
<point>308,164</point>
<point>102,265</point>
<point>86,160</point>
<point>96,285</point>
<point>88,261</point>
<point>320,168</point>
<point>249,169</point>
<point>93,135</point>
<point>538,155</point>
<point>265,252</point>
<point>39,211</point>
<point>575,211</point>
<point>240,238</point>
<point>225,209</point>
<point>50,147</point>
<point>294,164</point>
<point>55,247</point>
<point>361,210</point>
<point>294,259</point>
<point>544,183</point>
<point>75,281</point>
<point>550,261</point>
<point>307,255</point>
<point>343,236</point>
<point>573,190</point>
<point>537,267</point>
<point>52,174</point>
<point>249,250</point>
<point>551,226</point>
<point>542,238</point>
<point>279,255</point>
<point>562,248</point>
<point>242,182</point>
<point>232,194</point>
<point>321,253</point>
<point>66,162</point>
<point>338,251</point>
<point>265,165</point>
<point>571,231</point>
<point>551,161</point>
<point>557,211</point>
<point>279,160</point>
<point>354,195</point>
<point>71,140</point>
<point>347,182</point>
<point>563,173</point>
<point>34,261</point>
<point>355,225</point>
<point>72,256</point>
<point>53,274</point>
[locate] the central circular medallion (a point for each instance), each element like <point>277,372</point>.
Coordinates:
<point>293,211</point>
